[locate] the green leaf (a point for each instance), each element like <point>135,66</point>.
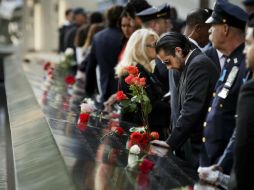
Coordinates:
<point>132,107</point>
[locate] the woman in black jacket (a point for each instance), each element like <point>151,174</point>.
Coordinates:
<point>140,52</point>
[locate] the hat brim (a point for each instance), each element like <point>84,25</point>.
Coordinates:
<point>212,20</point>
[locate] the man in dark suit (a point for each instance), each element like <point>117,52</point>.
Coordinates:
<point>64,28</point>
<point>244,144</point>
<point>227,35</point>
<point>106,46</point>
<point>196,85</point>
<point>80,18</point>
<point>196,29</point>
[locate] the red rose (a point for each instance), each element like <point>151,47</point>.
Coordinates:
<point>144,141</point>
<point>70,80</point>
<point>136,137</point>
<point>47,66</point>
<point>82,126</point>
<point>154,135</point>
<point>129,79</point>
<point>120,96</point>
<point>84,117</point>
<point>119,131</point>
<point>142,81</point>
<point>146,166</point>
<point>50,71</point>
<point>132,70</point>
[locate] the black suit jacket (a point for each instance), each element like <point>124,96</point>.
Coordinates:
<point>106,47</point>
<point>213,55</point>
<point>196,85</point>
<point>244,145</point>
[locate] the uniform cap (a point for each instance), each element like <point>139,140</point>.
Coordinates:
<point>228,13</point>
<point>152,13</point>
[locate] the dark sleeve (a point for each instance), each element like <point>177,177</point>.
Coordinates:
<point>244,144</point>
<point>226,160</point>
<point>196,91</point>
<point>91,71</point>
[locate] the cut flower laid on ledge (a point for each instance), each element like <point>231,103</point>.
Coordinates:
<point>67,59</point>
<point>85,109</point>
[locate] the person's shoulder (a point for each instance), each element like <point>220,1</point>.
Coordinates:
<point>210,51</point>
<point>202,59</point>
<point>248,86</point>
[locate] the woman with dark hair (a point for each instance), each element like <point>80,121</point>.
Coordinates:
<point>127,24</point>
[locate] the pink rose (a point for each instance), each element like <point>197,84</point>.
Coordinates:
<point>154,135</point>
<point>129,79</point>
<point>142,81</point>
<point>132,70</point>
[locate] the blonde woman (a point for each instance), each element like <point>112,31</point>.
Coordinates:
<point>140,52</point>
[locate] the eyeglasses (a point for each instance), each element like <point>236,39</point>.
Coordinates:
<point>166,62</point>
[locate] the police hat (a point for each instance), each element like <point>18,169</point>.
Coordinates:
<point>248,2</point>
<point>228,13</point>
<point>152,13</point>
<point>79,11</point>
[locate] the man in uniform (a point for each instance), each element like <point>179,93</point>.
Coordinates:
<point>156,18</point>
<point>227,35</point>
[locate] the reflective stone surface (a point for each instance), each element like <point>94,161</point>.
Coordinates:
<point>95,161</point>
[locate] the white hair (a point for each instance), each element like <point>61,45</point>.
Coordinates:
<point>135,51</point>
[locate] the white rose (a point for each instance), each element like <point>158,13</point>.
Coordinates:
<point>87,108</point>
<point>69,51</point>
<point>135,149</point>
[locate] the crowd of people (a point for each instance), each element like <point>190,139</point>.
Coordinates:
<point>205,63</point>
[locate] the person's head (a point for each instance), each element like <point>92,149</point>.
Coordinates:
<point>127,24</point>
<point>80,16</point>
<point>248,6</point>
<point>196,28</point>
<point>140,49</point>
<point>172,48</point>
<point>249,43</point>
<point>91,32</point>
<point>228,26</point>
<point>157,19</point>
<point>135,6</point>
<point>96,17</point>
<point>113,16</point>
<point>69,15</point>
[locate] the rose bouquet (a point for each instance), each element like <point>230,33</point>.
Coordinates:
<point>137,98</point>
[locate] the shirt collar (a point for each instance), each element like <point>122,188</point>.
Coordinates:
<point>194,42</point>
